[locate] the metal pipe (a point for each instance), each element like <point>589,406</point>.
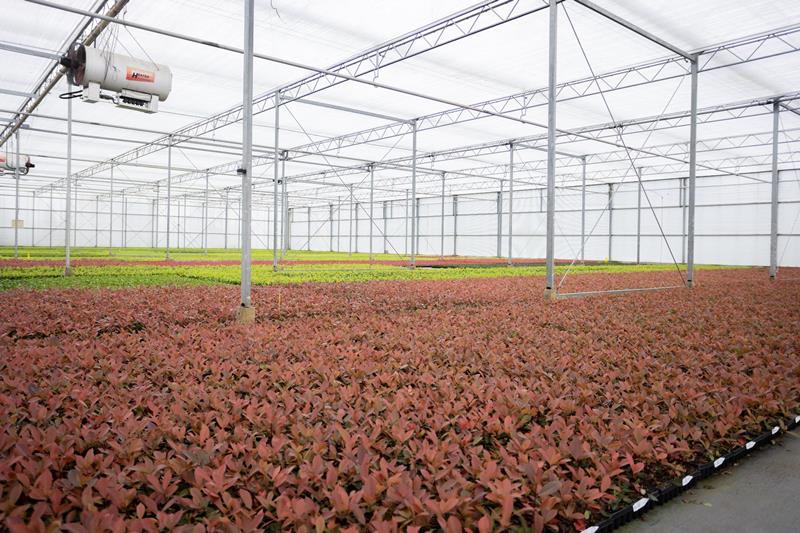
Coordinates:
<point>610,218</point>
<point>692,175</point>
<point>275,179</point>
<point>499,205</point>
<point>639,187</point>
<point>385,227</point>
<point>67,266</point>
<point>583,209</point>
<point>550,289</point>
<point>246,210</point>
<point>16,198</point>
<point>455,225</point>
<point>330,226</point>
<point>414,228</point>
<point>169,191</point>
<point>510,202</point>
<point>441,235</point>
<point>350,224</point>
<point>773,236</point>
<point>308,220</point>
<point>225,241</point>
<point>247,158</point>
<point>371,201</point>
<point>205,218</point>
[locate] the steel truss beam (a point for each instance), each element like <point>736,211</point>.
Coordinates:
<point>727,54</point>
<point>87,32</point>
<point>470,21</point>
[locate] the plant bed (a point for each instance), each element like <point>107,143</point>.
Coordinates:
<point>426,404</point>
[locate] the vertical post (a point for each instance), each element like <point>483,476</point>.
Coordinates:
<point>205,217</point>
<point>455,224</point>
<point>153,223</point>
<point>330,226</point>
<point>16,199</point>
<point>510,203</point>
<point>355,215</point>
<point>639,218</point>
<point>550,289</point>
<point>50,221</point>
<point>227,195</point>
<point>289,221</point>
<point>610,218</point>
<point>350,224</point>
<point>285,208</point>
<point>385,227</point>
<point>275,178</point>
<point>414,205</point>
<point>692,175</point>
<point>583,209</point>
<point>158,214</point>
<point>33,219</point>
<point>124,220</point>
<point>308,243</point>
<point>67,267</point>
<point>169,191</point>
<point>417,233</point>
<point>246,312</point>
<point>499,208</point>
<point>371,210</point>
<point>185,216</point>
<point>339,225</point>
<point>75,214</point>
<point>441,229</point>
<point>405,216</point>
<point>682,190</point>
<point>97,221</point>
<point>773,229</point>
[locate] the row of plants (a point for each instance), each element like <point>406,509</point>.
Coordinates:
<point>461,405</point>
<point>141,274</point>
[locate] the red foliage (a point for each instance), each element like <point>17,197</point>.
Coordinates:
<point>470,404</point>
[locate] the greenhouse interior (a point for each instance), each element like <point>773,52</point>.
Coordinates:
<point>527,265</point>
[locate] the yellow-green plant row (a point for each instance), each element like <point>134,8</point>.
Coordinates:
<point>114,276</point>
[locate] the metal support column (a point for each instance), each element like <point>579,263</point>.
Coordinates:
<point>68,219</point>
<point>639,218</point>
<point>227,196</point>
<point>205,218</point>
<point>355,215</point>
<point>50,221</point>
<point>97,221</point>
<point>414,205</point>
<point>75,214</point>
<point>773,227</point>
<point>169,190</point>
<point>455,224</point>
<point>550,288</point>
<point>124,220</point>
<point>385,227</point>
<point>417,232</point>
<point>405,215</point>
<point>583,209</point>
<point>510,203</point>
<point>682,193</point>
<point>308,241</point>
<point>246,312</point>
<point>153,223</point>
<point>330,226</point>
<point>16,198</point>
<point>610,219</point>
<point>339,225</point>
<point>371,210</point>
<point>441,230</point>
<point>350,224</point>
<point>499,205</point>
<point>275,179</point>
<point>33,219</point>
<point>692,176</point>
<point>158,213</point>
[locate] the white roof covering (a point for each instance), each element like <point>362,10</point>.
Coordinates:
<point>508,59</point>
